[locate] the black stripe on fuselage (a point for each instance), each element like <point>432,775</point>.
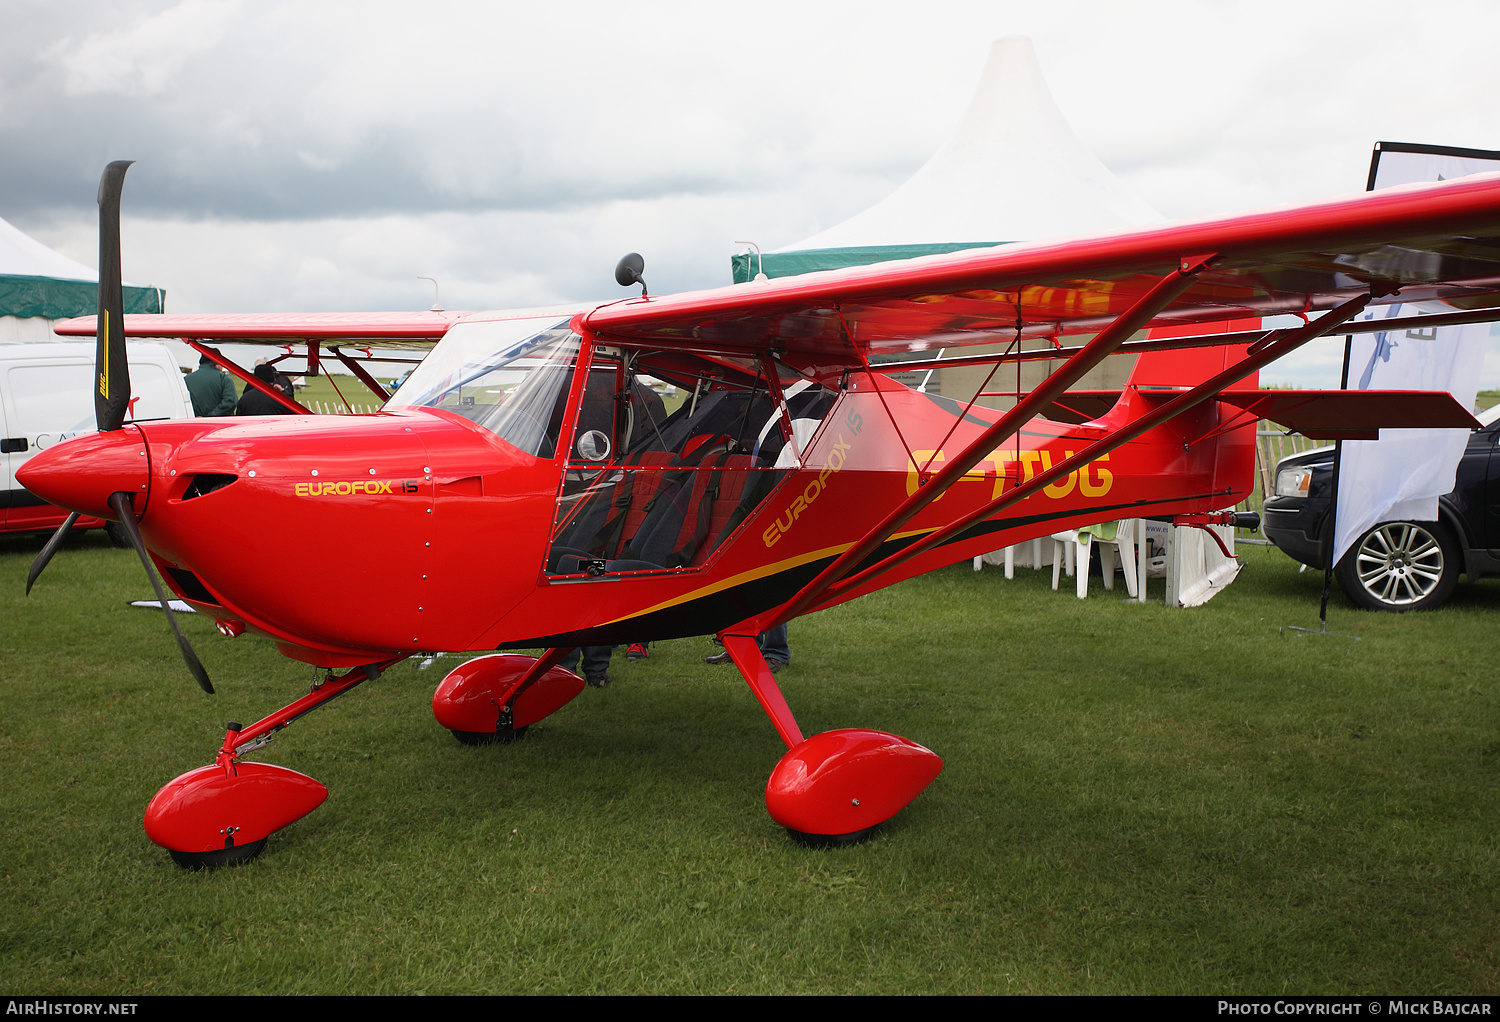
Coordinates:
<point>707,614</point>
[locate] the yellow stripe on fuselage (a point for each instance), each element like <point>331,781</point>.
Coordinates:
<point>752,575</point>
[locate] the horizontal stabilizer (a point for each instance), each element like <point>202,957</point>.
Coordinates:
<point>1354,414</point>
<point>1081,405</point>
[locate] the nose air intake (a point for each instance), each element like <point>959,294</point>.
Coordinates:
<point>205,483</point>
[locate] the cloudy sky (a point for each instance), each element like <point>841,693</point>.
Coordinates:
<point>321,155</point>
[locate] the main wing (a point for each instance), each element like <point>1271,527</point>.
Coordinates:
<point>1324,263</point>
<point>1410,244</point>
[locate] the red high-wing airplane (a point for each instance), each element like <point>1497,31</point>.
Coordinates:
<point>523,494</point>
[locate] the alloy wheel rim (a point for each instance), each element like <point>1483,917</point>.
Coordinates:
<point>1400,563</point>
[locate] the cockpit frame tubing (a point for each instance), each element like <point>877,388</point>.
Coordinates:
<point>565,432</point>
<point>783,412</point>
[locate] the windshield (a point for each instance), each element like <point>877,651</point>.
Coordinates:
<point>510,376</point>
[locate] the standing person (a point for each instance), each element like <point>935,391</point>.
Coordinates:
<point>593,663</point>
<point>210,388</point>
<point>773,646</point>
<point>254,402</point>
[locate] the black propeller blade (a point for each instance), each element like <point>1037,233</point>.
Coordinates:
<point>50,549</point>
<point>121,505</point>
<point>112,386</point>
<point>112,393</point>
<point>112,399</point>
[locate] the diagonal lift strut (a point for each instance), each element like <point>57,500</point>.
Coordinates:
<point>835,580</point>
<point>1161,294</point>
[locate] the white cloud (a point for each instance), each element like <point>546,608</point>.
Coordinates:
<point>145,59</point>
<point>322,155</point>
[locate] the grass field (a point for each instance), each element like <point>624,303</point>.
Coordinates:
<point>332,392</point>
<point>1135,799</point>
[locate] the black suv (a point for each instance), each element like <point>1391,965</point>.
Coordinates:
<point>1397,566</point>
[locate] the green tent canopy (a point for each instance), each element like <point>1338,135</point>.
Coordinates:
<point>38,282</point>
<point>64,299</point>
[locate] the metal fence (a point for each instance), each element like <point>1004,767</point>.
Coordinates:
<point>339,408</point>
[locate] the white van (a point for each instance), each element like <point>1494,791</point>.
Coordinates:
<point>47,395</point>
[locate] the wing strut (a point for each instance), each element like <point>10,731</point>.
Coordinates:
<point>1161,295</point>
<point>359,371</point>
<point>250,378</point>
<point>1273,346</point>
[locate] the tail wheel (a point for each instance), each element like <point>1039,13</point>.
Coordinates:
<point>1401,566</point>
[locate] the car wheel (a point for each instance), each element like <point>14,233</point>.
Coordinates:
<point>1401,566</point>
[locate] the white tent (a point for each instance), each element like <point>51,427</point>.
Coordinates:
<point>39,286</point>
<point>1013,171</point>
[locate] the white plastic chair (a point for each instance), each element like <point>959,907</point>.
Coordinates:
<point>1073,547</point>
<point>1122,547</point>
<point>1009,557</point>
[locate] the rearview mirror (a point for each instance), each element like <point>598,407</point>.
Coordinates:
<point>629,269</point>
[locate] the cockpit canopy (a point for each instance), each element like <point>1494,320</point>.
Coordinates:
<point>511,376</point>
<point>669,451</point>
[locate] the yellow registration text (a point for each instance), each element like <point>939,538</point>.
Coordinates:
<point>1092,480</point>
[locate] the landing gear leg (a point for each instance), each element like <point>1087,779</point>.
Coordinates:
<point>834,788</point>
<point>222,814</point>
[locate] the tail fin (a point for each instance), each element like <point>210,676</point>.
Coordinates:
<point>1187,367</point>
<point>1231,449</point>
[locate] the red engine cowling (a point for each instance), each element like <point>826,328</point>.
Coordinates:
<point>843,782</point>
<point>210,809</point>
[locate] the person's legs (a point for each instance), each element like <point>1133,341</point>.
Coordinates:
<point>593,663</point>
<point>773,645</point>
